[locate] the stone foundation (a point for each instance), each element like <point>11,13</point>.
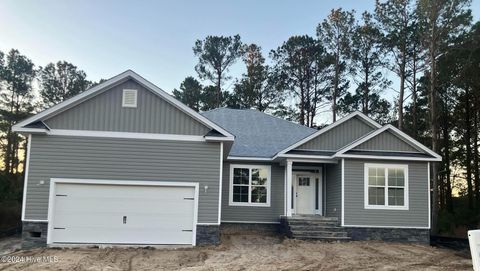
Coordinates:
<point>390,234</point>
<point>208,235</point>
<point>243,228</point>
<point>34,234</point>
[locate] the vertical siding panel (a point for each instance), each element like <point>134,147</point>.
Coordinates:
<point>339,136</point>
<point>104,112</point>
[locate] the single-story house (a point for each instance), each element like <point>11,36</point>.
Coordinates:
<point>126,163</point>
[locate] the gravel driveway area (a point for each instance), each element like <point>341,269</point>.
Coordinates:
<point>248,252</point>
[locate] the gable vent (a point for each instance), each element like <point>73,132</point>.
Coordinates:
<point>129,98</point>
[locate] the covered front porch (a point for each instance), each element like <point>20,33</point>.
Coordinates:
<point>313,200</point>
<point>312,187</point>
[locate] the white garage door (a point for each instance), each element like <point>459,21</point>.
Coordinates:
<point>122,214</point>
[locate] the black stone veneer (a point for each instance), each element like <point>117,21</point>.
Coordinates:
<point>208,235</point>
<point>34,234</point>
<point>390,234</point>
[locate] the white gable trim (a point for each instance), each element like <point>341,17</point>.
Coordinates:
<point>400,134</point>
<point>129,73</point>
<point>327,128</point>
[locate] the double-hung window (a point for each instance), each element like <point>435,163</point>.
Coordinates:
<point>249,185</point>
<point>386,186</point>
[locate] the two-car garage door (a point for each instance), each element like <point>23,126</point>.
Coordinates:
<point>95,213</point>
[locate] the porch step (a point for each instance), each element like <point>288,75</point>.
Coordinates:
<point>314,228</point>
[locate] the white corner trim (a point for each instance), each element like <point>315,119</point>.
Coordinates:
<point>113,80</point>
<point>429,197</point>
<point>327,128</point>
<point>54,181</point>
<point>248,158</point>
<point>386,167</point>
<point>268,186</point>
<point>89,133</point>
<point>220,182</point>
<point>343,193</point>
<point>400,134</point>
<point>25,178</point>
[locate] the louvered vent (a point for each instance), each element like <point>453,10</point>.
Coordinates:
<point>129,98</point>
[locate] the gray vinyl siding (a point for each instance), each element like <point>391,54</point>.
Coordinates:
<point>334,190</point>
<point>252,213</point>
<point>104,112</point>
<point>122,159</point>
<point>386,141</point>
<point>338,136</point>
<point>415,216</point>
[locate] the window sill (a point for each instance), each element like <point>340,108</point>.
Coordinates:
<point>249,204</point>
<point>381,207</point>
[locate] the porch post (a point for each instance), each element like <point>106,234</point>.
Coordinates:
<point>289,187</point>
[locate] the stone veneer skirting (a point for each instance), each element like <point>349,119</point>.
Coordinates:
<point>208,235</point>
<point>34,234</point>
<point>390,234</point>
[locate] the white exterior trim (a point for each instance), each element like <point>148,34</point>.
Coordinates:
<point>218,139</point>
<point>25,178</point>
<point>220,184</point>
<point>54,181</point>
<point>386,157</point>
<point>388,227</point>
<point>29,130</point>
<point>303,156</point>
<point>429,200</point>
<point>35,220</point>
<point>249,222</point>
<point>248,204</point>
<point>129,73</point>
<point>89,133</point>
<point>402,135</point>
<point>289,185</point>
<point>208,224</point>
<point>329,127</point>
<point>246,158</point>
<point>343,193</point>
<point>386,166</point>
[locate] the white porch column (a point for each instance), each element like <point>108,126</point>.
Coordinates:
<point>289,187</point>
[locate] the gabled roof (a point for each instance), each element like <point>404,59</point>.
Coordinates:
<point>358,114</point>
<point>348,151</point>
<point>28,126</point>
<point>257,134</point>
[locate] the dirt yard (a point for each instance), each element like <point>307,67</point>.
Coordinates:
<point>253,252</point>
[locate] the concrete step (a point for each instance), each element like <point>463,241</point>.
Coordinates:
<point>332,239</point>
<point>313,223</point>
<point>311,218</point>
<point>316,227</point>
<point>319,234</point>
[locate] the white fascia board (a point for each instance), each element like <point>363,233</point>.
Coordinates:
<point>354,156</point>
<point>29,130</point>
<point>218,139</point>
<point>88,133</point>
<point>115,79</point>
<point>304,156</point>
<point>248,158</point>
<point>402,135</point>
<point>329,127</point>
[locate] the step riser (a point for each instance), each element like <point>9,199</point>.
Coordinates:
<point>316,228</point>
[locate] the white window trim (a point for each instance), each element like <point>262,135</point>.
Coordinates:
<point>386,167</point>
<point>268,185</point>
<point>123,98</point>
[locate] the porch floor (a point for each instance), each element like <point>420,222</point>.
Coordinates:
<point>313,227</point>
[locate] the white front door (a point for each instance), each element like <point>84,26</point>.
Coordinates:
<point>305,195</point>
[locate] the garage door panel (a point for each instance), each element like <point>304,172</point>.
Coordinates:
<point>91,213</point>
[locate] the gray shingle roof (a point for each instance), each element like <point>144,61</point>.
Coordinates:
<point>257,134</point>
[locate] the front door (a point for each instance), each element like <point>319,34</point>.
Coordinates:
<point>305,195</point>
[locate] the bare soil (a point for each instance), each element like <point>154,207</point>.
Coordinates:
<point>253,252</point>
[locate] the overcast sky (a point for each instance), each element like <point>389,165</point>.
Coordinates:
<point>153,38</point>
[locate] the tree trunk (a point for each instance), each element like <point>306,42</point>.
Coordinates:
<point>219,89</point>
<point>400,100</point>
<point>476,159</point>
<point>468,148</point>
<point>434,129</point>
<point>335,87</point>
<point>448,184</point>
